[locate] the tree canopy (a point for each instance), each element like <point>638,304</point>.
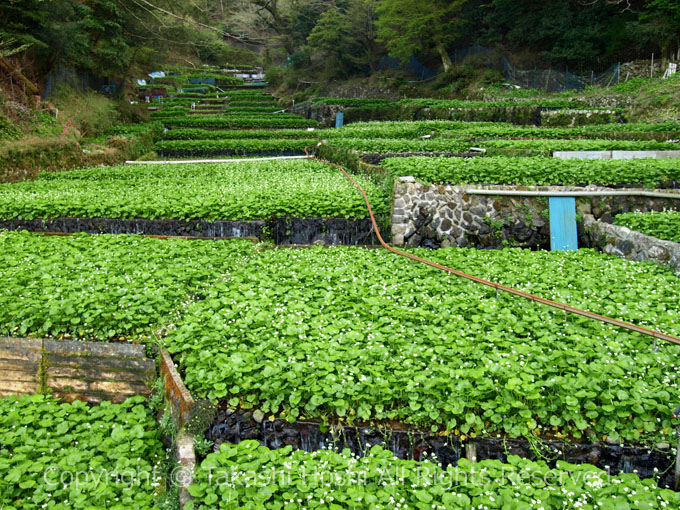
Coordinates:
<point>336,37</point>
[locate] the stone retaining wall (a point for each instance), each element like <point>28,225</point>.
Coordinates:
<point>572,118</point>
<point>623,242</point>
<point>435,216</point>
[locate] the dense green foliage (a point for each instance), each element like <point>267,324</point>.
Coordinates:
<point>449,103</point>
<point>579,145</point>
<point>108,37</point>
<point>272,121</point>
<point>114,449</point>
<point>232,146</point>
<point>388,145</point>
<point>662,225</point>
<point>337,481</point>
<point>537,171</point>
<point>661,131</point>
<point>332,37</point>
<point>360,335</point>
<point>237,191</point>
<point>410,26</point>
<point>194,134</point>
<point>103,287</point>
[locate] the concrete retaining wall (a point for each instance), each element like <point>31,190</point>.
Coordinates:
<point>615,154</point>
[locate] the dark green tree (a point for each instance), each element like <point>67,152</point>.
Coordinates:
<point>408,27</point>
<point>346,39</point>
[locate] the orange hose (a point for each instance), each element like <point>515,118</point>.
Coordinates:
<point>566,308</point>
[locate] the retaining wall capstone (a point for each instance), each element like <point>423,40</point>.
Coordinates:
<point>572,118</point>
<point>439,216</point>
<point>615,154</point>
<point>626,243</point>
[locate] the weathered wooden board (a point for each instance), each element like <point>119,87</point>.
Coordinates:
<point>175,392</point>
<point>72,370</point>
<point>19,366</point>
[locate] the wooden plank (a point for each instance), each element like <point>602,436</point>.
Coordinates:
<point>7,375</point>
<point>17,388</point>
<point>176,393</point>
<point>19,365</point>
<point>103,349</point>
<point>105,363</point>
<point>89,371</point>
<point>96,374</point>
<point>67,385</point>
<point>94,398</point>
<point>21,349</point>
<point>115,388</point>
<point>112,388</point>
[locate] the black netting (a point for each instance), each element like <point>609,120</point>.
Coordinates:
<point>552,80</point>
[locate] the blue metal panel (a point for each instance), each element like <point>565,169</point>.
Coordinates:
<point>563,235</point>
<point>339,119</point>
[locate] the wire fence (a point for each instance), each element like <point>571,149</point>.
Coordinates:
<point>552,80</point>
<point>82,82</point>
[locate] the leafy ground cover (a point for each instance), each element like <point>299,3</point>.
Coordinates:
<point>238,103</point>
<point>439,136</point>
<point>661,131</point>
<point>115,450</point>
<point>362,335</point>
<point>238,477</point>
<point>235,146</point>
<point>662,225</point>
<point>104,287</point>
<point>449,103</point>
<point>237,134</point>
<point>250,95</point>
<point>240,121</point>
<point>257,110</point>
<point>237,191</point>
<point>580,145</point>
<point>388,145</point>
<point>394,130</point>
<point>537,171</point>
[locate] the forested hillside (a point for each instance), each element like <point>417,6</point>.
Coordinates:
<point>337,37</point>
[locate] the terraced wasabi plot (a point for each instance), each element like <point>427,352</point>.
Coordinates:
<point>250,476</point>
<point>73,456</point>
<point>219,121</point>
<point>387,145</point>
<point>538,171</point>
<point>579,145</point>
<point>104,287</point>
<point>662,225</point>
<point>662,130</point>
<point>232,146</point>
<point>361,335</point>
<point>237,191</point>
